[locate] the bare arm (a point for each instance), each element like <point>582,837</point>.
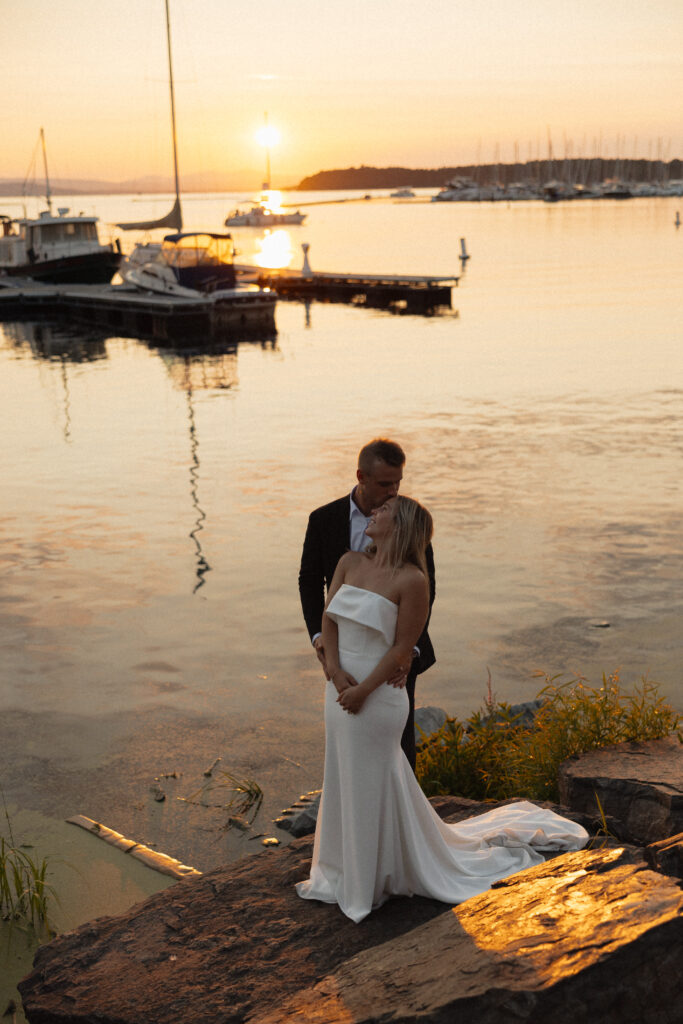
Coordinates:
<point>412,615</point>
<point>330,634</point>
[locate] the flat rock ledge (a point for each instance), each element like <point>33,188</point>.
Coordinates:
<point>595,934</point>
<point>639,786</point>
<point>238,945</point>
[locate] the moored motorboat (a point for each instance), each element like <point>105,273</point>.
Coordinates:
<point>200,265</point>
<point>615,189</point>
<point>187,264</point>
<point>58,249</point>
<point>260,216</point>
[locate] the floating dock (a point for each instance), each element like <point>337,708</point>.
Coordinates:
<point>379,291</point>
<point>162,318</point>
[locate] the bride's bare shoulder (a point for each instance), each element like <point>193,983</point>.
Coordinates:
<point>412,579</point>
<point>350,559</point>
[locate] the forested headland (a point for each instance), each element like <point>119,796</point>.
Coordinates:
<point>581,171</point>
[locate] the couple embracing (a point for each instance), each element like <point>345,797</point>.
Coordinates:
<point>367,586</point>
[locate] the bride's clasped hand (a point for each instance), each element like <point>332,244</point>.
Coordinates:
<point>377,835</point>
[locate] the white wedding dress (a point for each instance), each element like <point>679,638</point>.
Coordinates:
<point>377,835</point>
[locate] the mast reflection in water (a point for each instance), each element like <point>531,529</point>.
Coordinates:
<point>190,373</point>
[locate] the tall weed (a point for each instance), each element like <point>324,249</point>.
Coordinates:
<point>24,892</point>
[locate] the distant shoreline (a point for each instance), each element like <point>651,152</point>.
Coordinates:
<point>581,170</point>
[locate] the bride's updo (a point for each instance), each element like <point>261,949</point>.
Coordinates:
<point>413,527</point>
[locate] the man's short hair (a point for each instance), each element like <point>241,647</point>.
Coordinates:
<point>381,448</point>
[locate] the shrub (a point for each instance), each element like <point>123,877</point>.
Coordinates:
<point>494,756</point>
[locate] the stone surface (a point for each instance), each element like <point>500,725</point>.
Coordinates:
<point>300,818</point>
<point>552,943</point>
<point>428,720</point>
<point>238,945</point>
<point>640,786</point>
<point>667,855</point>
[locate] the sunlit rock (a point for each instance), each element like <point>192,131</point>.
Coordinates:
<point>237,945</point>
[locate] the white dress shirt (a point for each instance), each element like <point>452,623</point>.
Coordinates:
<point>358,524</point>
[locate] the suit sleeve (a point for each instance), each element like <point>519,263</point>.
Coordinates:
<point>429,555</point>
<point>426,657</point>
<point>312,577</point>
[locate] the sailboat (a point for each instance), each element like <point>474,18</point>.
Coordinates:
<point>194,263</point>
<point>145,252</point>
<point>59,248</point>
<point>261,214</point>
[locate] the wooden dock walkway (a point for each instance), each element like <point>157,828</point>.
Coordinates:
<point>163,318</point>
<point>417,294</point>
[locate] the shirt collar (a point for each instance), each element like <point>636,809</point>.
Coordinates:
<point>354,510</point>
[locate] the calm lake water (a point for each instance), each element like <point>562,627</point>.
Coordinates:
<point>155,502</point>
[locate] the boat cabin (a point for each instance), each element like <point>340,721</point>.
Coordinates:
<point>200,260</point>
<point>37,239</point>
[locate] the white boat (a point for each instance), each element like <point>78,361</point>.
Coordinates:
<point>402,193</point>
<point>260,216</point>
<point>459,190</point>
<point>199,264</point>
<point>57,248</point>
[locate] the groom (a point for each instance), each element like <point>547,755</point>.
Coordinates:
<point>340,526</point>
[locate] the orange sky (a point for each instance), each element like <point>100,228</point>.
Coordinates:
<point>376,82</point>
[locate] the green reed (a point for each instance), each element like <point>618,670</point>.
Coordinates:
<point>24,892</point>
<point>493,756</point>
<point>246,798</point>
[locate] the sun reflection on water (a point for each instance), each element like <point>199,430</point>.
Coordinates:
<point>274,250</point>
<point>272,200</point>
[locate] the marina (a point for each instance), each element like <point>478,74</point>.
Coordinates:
<point>162,318</point>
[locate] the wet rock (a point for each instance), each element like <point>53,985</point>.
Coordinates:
<point>640,785</point>
<point>238,945</point>
<point>300,818</point>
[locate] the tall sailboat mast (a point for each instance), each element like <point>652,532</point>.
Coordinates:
<point>173,128</point>
<point>174,218</point>
<point>48,193</point>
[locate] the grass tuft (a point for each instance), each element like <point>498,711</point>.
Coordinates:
<point>247,797</point>
<point>493,756</point>
<point>24,892</point>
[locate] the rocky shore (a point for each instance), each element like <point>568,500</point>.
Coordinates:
<point>595,933</point>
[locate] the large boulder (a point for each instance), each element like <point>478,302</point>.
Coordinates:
<point>238,945</point>
<point>638,785</point>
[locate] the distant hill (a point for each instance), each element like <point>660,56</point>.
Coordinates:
<point>210,181</point>
<point>364,178</point>
<point>536,170</point>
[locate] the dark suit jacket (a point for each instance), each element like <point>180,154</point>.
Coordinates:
<point>327,539</point>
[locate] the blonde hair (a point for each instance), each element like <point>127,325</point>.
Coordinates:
<point>412,533</point>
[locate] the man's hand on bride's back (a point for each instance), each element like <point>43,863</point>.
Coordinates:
<point>399,678</point>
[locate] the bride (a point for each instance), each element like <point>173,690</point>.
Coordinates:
<point>377,835</point>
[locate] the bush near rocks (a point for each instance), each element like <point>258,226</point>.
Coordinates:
<point>498,753</point>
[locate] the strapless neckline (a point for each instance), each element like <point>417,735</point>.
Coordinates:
<point>365,590</point>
